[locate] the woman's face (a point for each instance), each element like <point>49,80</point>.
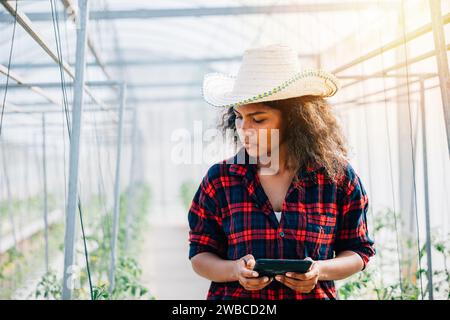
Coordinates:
<point>258,127</point>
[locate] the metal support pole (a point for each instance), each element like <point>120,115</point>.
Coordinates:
<point>131,188</point>
<point>162,160</point>
<point>9,196</point>
<point>69,239</point>
<point>442,62</point>
<point>44,177</point>
<point>425,183</point>
<point>116,214</point>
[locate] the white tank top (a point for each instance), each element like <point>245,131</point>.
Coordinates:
<point>278,214</point>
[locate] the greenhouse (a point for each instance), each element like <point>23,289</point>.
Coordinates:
<point>112,180</point>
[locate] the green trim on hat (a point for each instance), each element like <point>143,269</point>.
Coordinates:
<point>302,74</point>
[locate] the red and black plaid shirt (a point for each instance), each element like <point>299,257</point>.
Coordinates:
<point>232,216</point>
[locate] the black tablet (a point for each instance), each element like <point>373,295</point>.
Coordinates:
<point>272,267</point>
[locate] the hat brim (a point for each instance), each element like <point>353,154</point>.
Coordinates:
<point>218,88</point>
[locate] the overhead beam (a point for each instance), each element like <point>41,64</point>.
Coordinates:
<point>86,125</point>
<point>149,62</point>
<point>26,24</point>
<point>27,110</point>
<point>20,81</point>
<point>154,84</point>
<point>384,90</point>
<point>130,101</point>
<point>362,103</point>
<point>143,13</point>
<point>400,65</point>
<point>383,75</point>
<point>102,84</point>
<point>21,84</point>
<point>391,45</point>
<point>12,108</point>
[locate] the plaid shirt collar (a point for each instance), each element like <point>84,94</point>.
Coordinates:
<point>248,170</point>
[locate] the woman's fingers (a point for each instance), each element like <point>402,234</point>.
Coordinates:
<point>300,289</point>
<point>242,267</point>
<point>298,276</point>
<point>255,284</point>
<point>250,279</point>
<point>302,276</point>
<point>247,273</point>
<point>309,275</point>
<point>297,285</point>
<point>250,261</point>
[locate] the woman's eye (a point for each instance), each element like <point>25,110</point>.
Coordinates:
<point>259,121</point>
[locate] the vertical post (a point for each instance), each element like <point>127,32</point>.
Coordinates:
<point>9,196</point>
<point>44,177</point>
<point>131,187</point>
<point>425,182</point>
<point>162,161</point>
<point>116,213</point>
<point>80,65</point>
<point>442,62</point>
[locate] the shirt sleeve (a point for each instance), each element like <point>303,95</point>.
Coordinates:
<point>352,233</point>
<point>206,233</point>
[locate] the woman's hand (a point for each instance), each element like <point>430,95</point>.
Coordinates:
<point>248,278</point>
<point>301,282</point>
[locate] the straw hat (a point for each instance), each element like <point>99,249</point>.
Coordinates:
<point>267,73</point>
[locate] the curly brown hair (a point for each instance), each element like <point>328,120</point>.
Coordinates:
<point>311,131</point>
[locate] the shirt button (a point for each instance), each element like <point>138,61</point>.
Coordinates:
<point>257,205</point>
<point>281,234</point>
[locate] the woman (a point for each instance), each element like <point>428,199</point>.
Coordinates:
<point>295,196</point>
